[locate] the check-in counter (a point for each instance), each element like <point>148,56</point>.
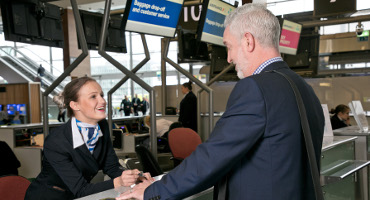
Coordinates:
<point>26,141</point>
<point>340,169</point>
<point>113,193</point>
<point>362,152</point>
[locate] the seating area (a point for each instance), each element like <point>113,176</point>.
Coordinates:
<point>182,141</point>
<point>13,187</point>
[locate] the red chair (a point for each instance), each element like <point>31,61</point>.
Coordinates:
<point>182,141</point>
<point>13,187</point>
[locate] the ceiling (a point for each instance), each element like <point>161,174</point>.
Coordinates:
<point>92,5</point>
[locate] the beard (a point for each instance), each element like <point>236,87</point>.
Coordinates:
<point>239,71</point>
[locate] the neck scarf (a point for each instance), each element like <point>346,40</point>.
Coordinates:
<point>90,134</point>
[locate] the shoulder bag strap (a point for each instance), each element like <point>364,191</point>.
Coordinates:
<point>307,138</point>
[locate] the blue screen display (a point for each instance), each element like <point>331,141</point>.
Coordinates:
<point>213,28</point>
<point>21,108</point>
<point>11,108</point>
<point>158,17</point>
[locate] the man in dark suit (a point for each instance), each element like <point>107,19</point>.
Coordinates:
<point>135,104</point>
<point>126,106</point>
<point>257,145</point>
<point>144,105</point>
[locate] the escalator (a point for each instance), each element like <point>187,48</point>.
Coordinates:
<point>16,67</point>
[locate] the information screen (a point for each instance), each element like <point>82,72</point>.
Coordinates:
<point>289,38</point>
<point>21,108</point>
<point>212,25</point>
<point>11,108</point>
<point>158,17</point>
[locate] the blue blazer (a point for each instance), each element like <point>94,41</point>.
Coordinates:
<point>257,143</point>
<point>66,172</point>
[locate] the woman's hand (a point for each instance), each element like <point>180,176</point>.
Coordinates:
<point>127,178</point>
<point>130,177</point>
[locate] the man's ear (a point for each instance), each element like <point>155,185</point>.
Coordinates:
<point>248,41</point>
<point>74,105</point>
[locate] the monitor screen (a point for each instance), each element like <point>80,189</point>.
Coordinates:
<point>334,8</point>
<point>289,37</point>
<point>1,107</point>
<point>219,63</point>
<point>32,22</point>
<point>11,108</point>
<point>92,24</point>
<point>153,17</point>
<point>22,109</point>
<point>190,49</point>
<point>211,26</point>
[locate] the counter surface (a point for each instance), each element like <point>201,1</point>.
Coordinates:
<point>332,141</point>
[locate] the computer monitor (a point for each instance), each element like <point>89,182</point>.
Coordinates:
<point>117,142</point>
<point>32,22</point>
<point>190,49</point>
<point>22,109</point>
<point>92,24</point>
<point>11,108</point>
<point>219,63</point>
<point>334,8</point>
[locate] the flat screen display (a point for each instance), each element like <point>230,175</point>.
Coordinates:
<point>329,8</point>
<point>11,108</point>
<point>211,27</point>
<point>92,24</point>
<point>289,38</point>
<point>21,108</point>
<point>32,22</point>
<point>158,17</point>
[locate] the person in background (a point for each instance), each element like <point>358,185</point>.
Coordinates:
<point>256,150</point>
<point>162,125</point>
<point>126,106</point>
<point>16,119</point>
<point>135,104</point>
<point>41,71</point>
<point>3,115</point>
<point>58,99</point>
<point>9,162</point>
<point>188,107</point>
<point>74,152</point>
<point>144,105</point>
<point>340,118</point>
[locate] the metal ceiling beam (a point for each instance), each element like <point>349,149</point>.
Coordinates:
<point>315,23</point>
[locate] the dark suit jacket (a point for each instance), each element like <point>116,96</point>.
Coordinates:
<point>145,106</point>
<point>337,123</point>
<point>257,142</point>
<point>9,162</point>
<point>136,101</point>
<point>71,169</point>
<point>188,111</point>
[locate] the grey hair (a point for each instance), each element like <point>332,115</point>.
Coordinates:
<point>256,19</point>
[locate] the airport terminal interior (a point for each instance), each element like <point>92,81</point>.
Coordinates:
<point>44,44</point>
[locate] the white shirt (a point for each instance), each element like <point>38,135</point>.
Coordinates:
<point>162,126</point>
